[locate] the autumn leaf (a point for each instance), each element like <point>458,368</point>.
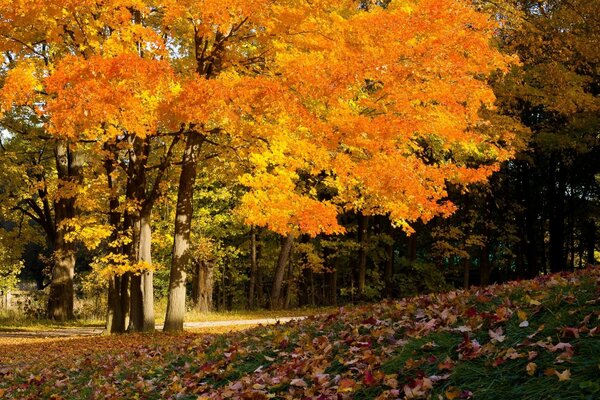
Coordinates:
<point>346,385</point>
<point>531,368</point>
<point>563,376</point>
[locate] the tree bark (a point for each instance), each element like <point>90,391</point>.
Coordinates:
<point>485,268</point>
<point>557,222</point>
<point>202,286</point>
<point>69,166</point>
<point>181,241</point>
<point>284,253</point>
<point>363,226</point>
<point>466,271</point>
<point>388,275</point>
<point>333,287</point>
<point>145,255</point>
<point>253,269</point>
<point>591,242</point>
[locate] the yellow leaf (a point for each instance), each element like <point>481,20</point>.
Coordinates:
<point>452,393</point>
<point>522,316</point>
<point>563,376</point>
<point>531,368</point>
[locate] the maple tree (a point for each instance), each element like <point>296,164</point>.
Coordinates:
<point>331,106</point>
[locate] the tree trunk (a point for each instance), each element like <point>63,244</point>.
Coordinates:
<point>530,242</point>
<point>557,222</point>
<point>288,286</point>
<point>284,253</point>
<point>333,287</point>
<point>125,294</point>
<point>412,248</point>
<point>591,242</point>
<point>136,304</point>
<point>363,226</point>
<point>203,286</point>
<point>181,240</point>
<point>466,270</point>
<point>145,256</point>
<point>69,166</point>
<point>253,269</point>
<point>484,266</point>
<point>388,275</point>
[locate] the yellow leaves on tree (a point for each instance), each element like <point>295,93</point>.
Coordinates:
<point>394,95</point>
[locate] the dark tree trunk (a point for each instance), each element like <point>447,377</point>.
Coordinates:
<point>136,304</point>
<point>181,241</point>
<point>282,260</point>
<point>591,242</point>
<point>363,226</point>
<point>125,294</point>
<point>69,166</point>
<point>202,286</point>
<point>114,318</point>
<point>531,219</point>
<point>466,272</point>
<point>333,288</point>
<point>557,222</point>
<point>388,274</point>
<point>485,268</point>
<point>289,283</point>
<point>412,248</point>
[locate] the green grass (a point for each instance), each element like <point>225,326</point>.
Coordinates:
<point>367,352</point>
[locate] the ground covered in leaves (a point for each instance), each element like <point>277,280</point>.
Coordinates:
<point>536,339</point>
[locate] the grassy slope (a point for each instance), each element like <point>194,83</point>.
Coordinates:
<point>465,344</point>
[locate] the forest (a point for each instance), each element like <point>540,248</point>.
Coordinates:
<point>259,154</point>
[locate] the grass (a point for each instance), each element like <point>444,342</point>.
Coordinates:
<point>437,346</point>
<point>11,321</point>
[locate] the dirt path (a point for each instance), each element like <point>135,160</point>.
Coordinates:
<point>94,331</point>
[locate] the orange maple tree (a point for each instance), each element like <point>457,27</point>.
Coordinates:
<point>328,105</point>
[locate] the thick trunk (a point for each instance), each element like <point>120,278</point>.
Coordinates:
<point>284,253</point>
<point>181,240</point>
<point>363,225</point>
<point>69,166</point>
<point>203,282</point>
<point>136,304</point>
<point>115,322</point>
<point>60,300</point>
<point>253,269</point>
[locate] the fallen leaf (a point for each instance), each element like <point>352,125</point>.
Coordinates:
<point>452,393</point>
<point>531,368</point>
<point>346,385</point>
<point>298,382</point>
<point>563,376</point>
<point>497,335</point>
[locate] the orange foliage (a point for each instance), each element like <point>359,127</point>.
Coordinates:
<point>328,105</point>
